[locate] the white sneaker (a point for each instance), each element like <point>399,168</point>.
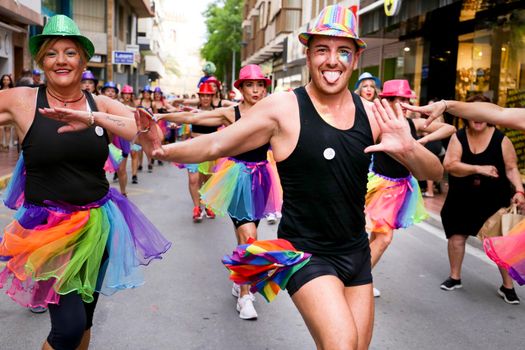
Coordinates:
<point>236,290</point>
<point>271,219</point>
<point>245,308</point>
<point>377,293</point>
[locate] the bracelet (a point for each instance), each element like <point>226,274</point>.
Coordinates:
<point>446,106</point>
<point>91,121</point>
<point>520,192</point>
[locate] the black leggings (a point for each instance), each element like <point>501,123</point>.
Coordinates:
<point>70,318</point>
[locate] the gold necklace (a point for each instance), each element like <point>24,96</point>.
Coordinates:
<point>65,102</point>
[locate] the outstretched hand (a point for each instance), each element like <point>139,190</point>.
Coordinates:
<point>395,131</point>
<point>149,134</point>
<point>433,110</point>
<point>75,120</point>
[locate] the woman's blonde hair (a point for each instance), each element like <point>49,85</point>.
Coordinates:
<point>360,87</point>
<point>41,53</point>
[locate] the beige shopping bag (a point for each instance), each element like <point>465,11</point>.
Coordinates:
<point>510,219</point>
<point>492,226</point>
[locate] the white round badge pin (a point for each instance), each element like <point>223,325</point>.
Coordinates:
<point>99,131</point>
<point>329,153</point>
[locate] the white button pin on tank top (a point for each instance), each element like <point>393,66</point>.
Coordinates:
<point>329,153</point>
<point>99,131</point>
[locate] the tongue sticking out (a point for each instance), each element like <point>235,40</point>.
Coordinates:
<point>331,76</point>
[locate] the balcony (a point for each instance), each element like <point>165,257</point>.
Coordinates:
<point>287,20</point>
<point>259,40</point>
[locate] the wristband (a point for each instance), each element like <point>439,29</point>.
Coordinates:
<point>91,121</point>
<point>446,106</point>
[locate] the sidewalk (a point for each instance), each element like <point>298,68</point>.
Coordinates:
<point>7,163</point>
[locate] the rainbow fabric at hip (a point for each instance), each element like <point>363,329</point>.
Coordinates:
<point>266,265</point>
<point>243,190</point>
<point>393,203</point>
<point>508,252</point>
<point>57,249</point>
<point>114,159</point>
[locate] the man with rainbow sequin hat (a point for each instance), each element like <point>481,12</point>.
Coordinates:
<point>321,135</point>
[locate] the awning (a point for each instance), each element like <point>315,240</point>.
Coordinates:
<point>154,64</point>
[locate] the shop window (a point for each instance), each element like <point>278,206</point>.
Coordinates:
<point>491,61</point>
<point>473,67</point>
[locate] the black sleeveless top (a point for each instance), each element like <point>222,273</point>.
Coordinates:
<point>255,155</point>
<point>202,129</point>
<point>474,198</point>
<point>324,183</point>
<point>66,167</point>
<point>388,166</point>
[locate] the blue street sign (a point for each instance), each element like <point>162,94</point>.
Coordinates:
<point>123,57</point>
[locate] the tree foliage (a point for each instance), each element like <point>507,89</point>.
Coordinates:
<point>223,23</point>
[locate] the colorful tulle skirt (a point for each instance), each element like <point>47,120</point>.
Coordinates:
<point>508,252</point>
<point>393,203</point>
<point>122,144</point>
<point>53,250</point>
<point>114,159</point>
<point>265,265</point>
<point>184,130</point>
<point>243,190</point>
<point>205,168</point>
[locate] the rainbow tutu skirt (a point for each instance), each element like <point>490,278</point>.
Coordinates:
<point>508,252</point>
<point>265,265</point>
<point>56,249</point>
<point>393,203</point>
<point>114,159</point>
<point>243,190</point>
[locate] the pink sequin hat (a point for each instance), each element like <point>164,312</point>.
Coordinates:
<point>334,20</point>
<point>251,72</point>
<point>397,88</point>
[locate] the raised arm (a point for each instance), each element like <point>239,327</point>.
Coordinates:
<point>456,167</point>
<point>396,140</point>
<point>216,117</point>
<point>512,172</point>
<point>17,104</point>
<point>185,101</point>
<point>480,111</point>
<point>112,116</point>
<point>436,130</point>
<point>257,127</point>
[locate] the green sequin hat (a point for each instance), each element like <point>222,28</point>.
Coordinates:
<point>61,26</point>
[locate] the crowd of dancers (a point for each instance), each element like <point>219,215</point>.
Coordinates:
<point>330,160</point>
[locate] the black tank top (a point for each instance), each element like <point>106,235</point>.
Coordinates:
<point>65,167</point>
<point>324,183</point>
<point>496,188</point>
<point>388,166</point>
<point>255,155</point>
<point>202,129</point>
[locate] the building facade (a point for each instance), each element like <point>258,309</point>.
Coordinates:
<point>112,27</point>
<point>15,19</point>
<point>445,48</point>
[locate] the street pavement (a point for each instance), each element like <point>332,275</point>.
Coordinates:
<point>186,302</point>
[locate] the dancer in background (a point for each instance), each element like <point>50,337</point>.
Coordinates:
<point>368,86</point>
<point>393,197</point>
<point>89,82</point>
<point>244,186</point>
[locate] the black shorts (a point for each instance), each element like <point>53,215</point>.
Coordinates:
<point>353,269</point>
<point>238,223</point>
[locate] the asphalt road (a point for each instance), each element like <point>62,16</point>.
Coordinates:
<point>186,302</point>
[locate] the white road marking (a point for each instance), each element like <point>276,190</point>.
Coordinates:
<point>480,254</point>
